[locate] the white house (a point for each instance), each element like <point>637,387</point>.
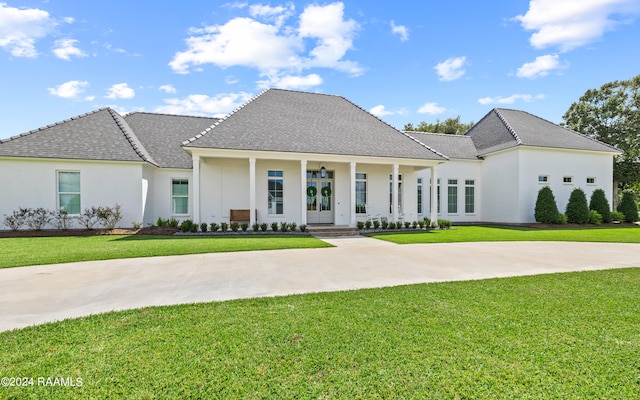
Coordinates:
<point>298,157</point>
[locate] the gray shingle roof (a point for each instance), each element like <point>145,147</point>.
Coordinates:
<point>453,146</point>
<point>97,135</point>
<point>503,128</point>
<point>162,135</point>
<point>290,121</point>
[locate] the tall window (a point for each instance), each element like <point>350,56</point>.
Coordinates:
<point>452,195</point>
<point>419,195</point>
<point>469,196</point>
<point>361,193</point>
<point>276,192</point>
<point>180,196</point>
<point>438,195</point>
<point>69,192</point>
<point>399,193</point>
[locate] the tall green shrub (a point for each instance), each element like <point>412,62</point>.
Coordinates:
<point>628,207</point>
<point>600,204</point>
<point>577,207</point>
<point>546,211</point>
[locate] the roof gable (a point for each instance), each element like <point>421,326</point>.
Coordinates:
<point>504,128</point>
<point>290,121</point>
<point>97,135</point>
<point>458,147</point>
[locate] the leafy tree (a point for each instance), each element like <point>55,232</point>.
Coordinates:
<point>600,204</point>
<point>546,211</point>
<point>450,126</point>
<point>611,114</point>
<point>577,209</point>
<point>628,206</point>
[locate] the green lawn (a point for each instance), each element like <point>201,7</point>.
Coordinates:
<point>50,250</point>
<point>513,233</point>
<point>564,336</point>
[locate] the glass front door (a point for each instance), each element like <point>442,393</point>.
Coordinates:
<point>320,197</point>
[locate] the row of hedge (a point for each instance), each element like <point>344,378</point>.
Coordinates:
<point>425,223</point>
<point>578,211</point>
<point>189,226</point>
<point>38,218</point>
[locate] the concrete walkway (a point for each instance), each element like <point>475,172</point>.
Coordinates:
<point>37,294</point>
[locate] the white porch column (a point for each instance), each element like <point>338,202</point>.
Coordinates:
<point>303,192</point>
<point>434,196</point>
<point>394,191</point>
<point>196,188</point>
<point>352,187</point>
<point>252,191</point>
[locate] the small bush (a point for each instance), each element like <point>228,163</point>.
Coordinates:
<point>263,227</point>
<point>414,224</point>
<point>203,227</point>
<point>173,223</point>
<point>367,224</point>
<point>109,216</point>
<point>628,206</point>
<point>185,226</point>
<point>274,226</point>
<point>617,216</point>
<point>293,226</point>
<point>360,225</point>
<point>255,227</point>
<point>214,227</point>
<point>577,208</point>
<point>16,219</point>
<point>234,226</point>
<point>600,204</point>
<point>224,226</point>
<point>194,228</point>
<point>376,224</point>
<point>407,224</point>
<point>62,219</point>
<point>384,224</point>
<point>562,219</point>
<point>595,218</point>
<point>546,210</point>
<point>36,218</point>
<point>421,224</point>
<point>444,223</point>
<point>89,217</point>
<point>136,225</point>
<point>303,228</point>
<point>162,222</point>
<point>284,226</point>
<point>244,226</point>
<point>427,222</point>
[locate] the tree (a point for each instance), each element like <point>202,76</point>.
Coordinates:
<point>577,209</point>
<point>611,114</point>
<point>546,211</point>
<point>628,206</point>
<point>600,204</point>
<point>450,126</point>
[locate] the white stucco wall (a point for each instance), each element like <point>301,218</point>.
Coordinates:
<point>32,183</point>
<point>460,170</point>
<point>158,202</point>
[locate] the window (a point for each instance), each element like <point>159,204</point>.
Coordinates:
<point>399,193</point>
<point>438,195</point>
<point>419,195</point>
<point>452,195</point>
<point>469,196</point>
<point>69,192</point>
<point>567,180</point>
<point>180,196</point>
<point>591,180</point>
<point>361,193</point>
<point>543,178</point>
<point>276,193</point>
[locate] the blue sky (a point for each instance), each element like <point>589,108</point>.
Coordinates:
<point>403,63</point>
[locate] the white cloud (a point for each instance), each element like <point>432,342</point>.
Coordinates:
<point>21,27</point>
<point>432,109</point>
<point>65,48</point>
<point>400,30</point>
<point>69,90</point>
<point>542,66</point>
<point>271,47</point>
<point>167,89</point>
<point>120,91</point>
<point>451,69</point>
<point>527,98</point>
<point>291,82</point>
<point>381,111</point>
<point>200,104</point>
<point>568,24</point>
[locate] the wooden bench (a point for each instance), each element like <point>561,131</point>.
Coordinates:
<point>241,216</point>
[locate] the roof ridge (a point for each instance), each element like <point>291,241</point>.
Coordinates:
<point>52,125</point>
<point>170,115</point>
<point>436,133</point>
<point>509,128</point>
<point>131,137</point>
<point>425,146</point>
<point>220,120</point>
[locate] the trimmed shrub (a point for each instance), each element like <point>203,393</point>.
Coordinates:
<point>376,224</point>
<point>628,206</point>
<point>284,226</point>
<point>391,225</point>
<point>203,227</point>
<point>303,228</point>
<point>546,211</point>
<point>360,225</point>
<point>414,224</point>
<point>244,226</point>
<point>577,207</point>
<point>214,227</point>
<point>263,227</point>
<point>617,216</point>
<point>595,218</point>
<point>293,226</point>
<point>600,204</point>
<point>36,218</point>
<point>224,226</point>
<point>16,219</point>
<point>89,217</point>
<point>194,228</point>
<point>109,216</point>
<point>444,223</point>
<point>255,227</point>
<point>63,219</point>
<point>562,219</point>
<point>384,224</point>
<point>407,224</point>
<point>162,222</point>
<point>173,223</point>
<point>367,224</point>
<point>274,226</point>
<point>234,226</point>
<point>185,226</point>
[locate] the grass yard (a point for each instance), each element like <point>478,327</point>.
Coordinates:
<point>512,233</point>
<point>16,252</point>
<point>574,335</point>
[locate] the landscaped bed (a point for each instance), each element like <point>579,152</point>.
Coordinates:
<point>573,335</point>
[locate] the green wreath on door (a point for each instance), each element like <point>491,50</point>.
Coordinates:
<point>312,191</point>
<point>326,191</point>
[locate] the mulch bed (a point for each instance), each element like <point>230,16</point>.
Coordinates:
<point>88,232</point>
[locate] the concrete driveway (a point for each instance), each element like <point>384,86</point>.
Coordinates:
<point>38,294</point>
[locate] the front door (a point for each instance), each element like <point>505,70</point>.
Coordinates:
<point>320,196</point>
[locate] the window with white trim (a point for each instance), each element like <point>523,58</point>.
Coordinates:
<point>399,193</point>
<point>591,180</point>
<point>276,192</point>
<point>469,196</point>
<point>543,178</point>
<point>567,180</point>
<point>180,196</point>
<point>419,195</point>
<point>361,193</point>
<point>69,192</point>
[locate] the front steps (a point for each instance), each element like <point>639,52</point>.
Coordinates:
<point>321,231</point>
